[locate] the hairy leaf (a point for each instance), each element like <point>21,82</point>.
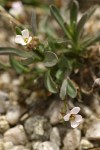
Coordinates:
<point>51,59</point>
<point>71,89</point>
<point>63,89</point>
<point>49,83</point>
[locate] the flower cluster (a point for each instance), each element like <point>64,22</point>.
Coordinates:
<point>73,117</point>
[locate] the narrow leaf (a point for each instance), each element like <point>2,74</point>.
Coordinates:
<point>74,11</point>
<point>14,51</point>
<point>18,66</point>
<point>4,66</point>
<point>51,59</point>
<point>91,41</point>
<point>91,11</point>
<point>50,84</point>
<point>27,61</point>
<point>68,30</point>
<point>81,24</point>
<point>33,23</point>
<point>58,17</point>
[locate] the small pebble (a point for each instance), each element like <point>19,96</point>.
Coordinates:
<point>72,140</point>
<point>38,128</point>
<point>5,78</point>
<point>16,135</point>
<point>4,126</point>
<point>2,146</point>
<point>13,115</point>
<point>35,145</point>
<point>48,146</point>
<point>4,103</point>
<point>19,148</point>
<point>85,144</point>
<point>55,136</point>
<point>93,131</point>
<point>54,112</point>
<point>8,145</point>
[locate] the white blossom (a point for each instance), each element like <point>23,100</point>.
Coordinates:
<point>73,117</point>
<point>17,9</point>
<point>23,39</point>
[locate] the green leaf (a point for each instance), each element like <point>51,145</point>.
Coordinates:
<point>51,59</point>
<point>4,66</point>
<point>68,30</point>
<point>28,61</point>
<point>60,74</point>
<point>18,30</point>
<point>81,24</point>
<point>71,89</point>
<point>65,63</point>
<point>68,87</point>
<point>49,83</point>
<point>18,66</point>
<point>62,62</point>
<point>63,90</point>
<point>91,11</point>
<point>74,12</point>
<point>58,17</point>
<point>33,23</point>
<point>91,41</point>
<point>14,51</point>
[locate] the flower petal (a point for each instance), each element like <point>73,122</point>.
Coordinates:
<point>78,118</point>
<point>19,40</point>
<point>74,124</point>
<point>67,117</point>
<point>29,39</point>
<point>25,33</point>
<point>75,110</point>
<point>14,12</point>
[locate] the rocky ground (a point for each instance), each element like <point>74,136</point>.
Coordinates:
<point>26,125</point>
<point>30,119</point>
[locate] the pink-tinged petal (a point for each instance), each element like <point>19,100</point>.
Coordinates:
<point>17,5</point>
<point>78,118</point>
<point>19,40</point>
<point>67,117</point>
<point>29,39</point>
<point>75,110</point>
<point>25,33</point>
<point>74,124</point>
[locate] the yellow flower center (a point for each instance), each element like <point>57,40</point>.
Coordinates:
<point>26,40</point>
<point>72,117</point>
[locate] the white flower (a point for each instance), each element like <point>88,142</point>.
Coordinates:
<point>73,117</point>
<point>17,9</point>
<point>23,39</point>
